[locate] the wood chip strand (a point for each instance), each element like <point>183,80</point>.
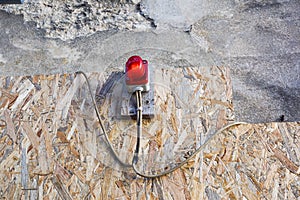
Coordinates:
<point>51,146</point>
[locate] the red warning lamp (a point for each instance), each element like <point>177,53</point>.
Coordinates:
<point>137,74</point>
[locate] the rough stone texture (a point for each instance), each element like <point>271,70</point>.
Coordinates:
<point>28,52</point>
<point>258,39</point>
<point>70,19</point>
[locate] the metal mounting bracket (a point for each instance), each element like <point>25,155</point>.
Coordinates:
<point>123,104</point>
<point>128,104</point>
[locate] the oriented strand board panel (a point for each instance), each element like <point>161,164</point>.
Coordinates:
<point>51,145</point>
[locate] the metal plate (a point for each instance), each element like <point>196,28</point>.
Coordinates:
<point>128,104</point>
<point>123,103</point>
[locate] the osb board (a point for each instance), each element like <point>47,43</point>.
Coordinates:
<point>51,145</point>
<point>190,104</point>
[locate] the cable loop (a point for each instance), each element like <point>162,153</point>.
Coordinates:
<point>101,123</point>
<point>135,159</point>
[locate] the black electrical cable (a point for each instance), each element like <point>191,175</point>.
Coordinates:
<point>139,133</point>
<point>139,113</point>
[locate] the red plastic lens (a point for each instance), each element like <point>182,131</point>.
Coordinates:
<point>134,67</point>
<point>136,71</point>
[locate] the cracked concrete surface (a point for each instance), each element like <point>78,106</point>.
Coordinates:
<point>70,19</point>
<point>258,40</point>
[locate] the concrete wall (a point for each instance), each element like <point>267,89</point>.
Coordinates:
<point>258,40</point>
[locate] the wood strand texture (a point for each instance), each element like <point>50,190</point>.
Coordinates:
<point>51,146</point>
